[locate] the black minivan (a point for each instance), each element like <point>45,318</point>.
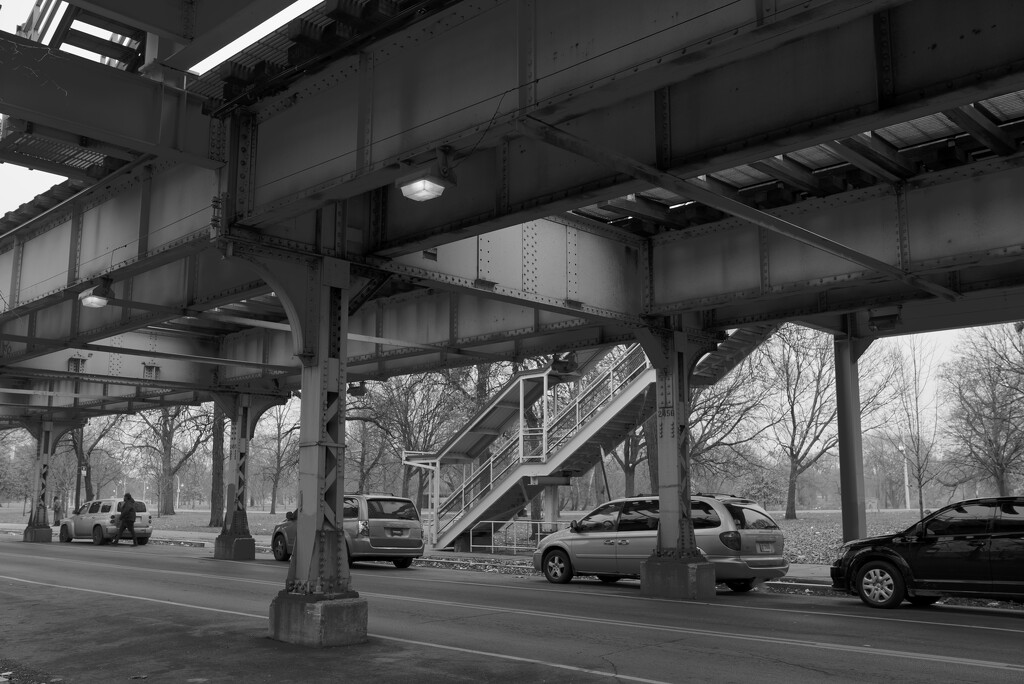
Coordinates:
<point>973,548</point>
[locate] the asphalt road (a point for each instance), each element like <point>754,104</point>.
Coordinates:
<point>174,614</point>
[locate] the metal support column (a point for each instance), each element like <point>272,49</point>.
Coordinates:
<point>46,434</point>
<point>851,457</point>
<point>550,502</point>
<point>676,569</point>
<point>317,606</point>
<point>235,542</point>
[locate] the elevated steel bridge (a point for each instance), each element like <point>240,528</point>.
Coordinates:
<point>686,175</point>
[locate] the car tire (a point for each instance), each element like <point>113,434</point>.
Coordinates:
<point>97,536</point>
<point>142,541</point>
<point>557,567</point>
<point>609,579</point>
<point>880,585</point>
<point>740,585</point>
<point>65,534</point>
<point>923,601</point>
<point>280,548</point>
<point>402,562</point>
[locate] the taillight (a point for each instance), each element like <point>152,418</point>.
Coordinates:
<point>731,540</point>
<point>113,520</point>
<point>363,528</point>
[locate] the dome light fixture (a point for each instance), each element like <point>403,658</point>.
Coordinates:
<point>98,296</point>
<point>429,182</point>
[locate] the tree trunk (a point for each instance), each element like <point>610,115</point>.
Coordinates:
<point>791,493</point>
<point>217,470</point>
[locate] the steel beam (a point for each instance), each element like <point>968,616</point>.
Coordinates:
<point>68,93</point>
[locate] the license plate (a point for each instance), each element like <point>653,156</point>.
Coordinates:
<point>396,533</point>
<point>765,547</point>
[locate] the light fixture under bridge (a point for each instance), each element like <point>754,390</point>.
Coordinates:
<point>98,296</point>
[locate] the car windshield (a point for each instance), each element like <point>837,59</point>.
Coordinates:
<point>391,509</point>
<point>751,519</point>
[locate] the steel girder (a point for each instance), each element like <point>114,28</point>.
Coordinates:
<point>74,95</point>
<point>490,270</point>
<point>200,27</point>
<point>678,98</point>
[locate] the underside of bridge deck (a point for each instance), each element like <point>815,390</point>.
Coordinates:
<point>693,172</point>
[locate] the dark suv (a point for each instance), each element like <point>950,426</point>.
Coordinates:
<point>973,548</point>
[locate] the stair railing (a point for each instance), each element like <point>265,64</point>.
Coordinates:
<point>535,445</point>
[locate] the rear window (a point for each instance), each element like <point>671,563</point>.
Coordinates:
<point>751,518</point>
<point>391,509</point>
<point>139,506</point>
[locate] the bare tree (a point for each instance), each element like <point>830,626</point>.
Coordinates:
<point>93,446</point>
<point>165,439</point>
<point>800,367</point>
<point>984,388</point>
<point>277,443</point>
<point>217,469</point>
<point>913,424</point>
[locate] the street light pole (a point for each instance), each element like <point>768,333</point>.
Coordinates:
<point>906,476</point>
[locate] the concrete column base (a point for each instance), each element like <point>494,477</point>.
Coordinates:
<point>675,578</point>
<point>311,620</point>
<point>229,546</point>
<point>37,534</point>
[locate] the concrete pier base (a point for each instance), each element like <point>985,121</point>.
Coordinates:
<point>674,578</point>
<point>37,534</point>
<point>230,546</point>
<point>316,621</point>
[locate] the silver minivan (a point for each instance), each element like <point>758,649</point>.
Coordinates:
<point>377,527</point>
<point>743,542</point>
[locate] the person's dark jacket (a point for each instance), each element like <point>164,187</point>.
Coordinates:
<point>128,511</point>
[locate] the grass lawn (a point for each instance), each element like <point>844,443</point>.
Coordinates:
<point>814,537</point>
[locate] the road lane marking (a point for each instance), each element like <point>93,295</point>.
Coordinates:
<point>544,588</point>
<point>865,650</point>
<point>488,654</point>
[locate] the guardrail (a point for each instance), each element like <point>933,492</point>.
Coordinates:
<point>516,537</point>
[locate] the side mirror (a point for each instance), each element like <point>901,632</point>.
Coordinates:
<point>574,525</point>
<point>290,515</point>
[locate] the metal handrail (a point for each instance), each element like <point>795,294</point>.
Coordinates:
<point>566,424</point>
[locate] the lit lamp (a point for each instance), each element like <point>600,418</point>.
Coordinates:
<point>97,297</point>
<point>429,182</point>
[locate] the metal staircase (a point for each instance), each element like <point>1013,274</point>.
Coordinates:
<point>568,442</point>
<point>572,436</point>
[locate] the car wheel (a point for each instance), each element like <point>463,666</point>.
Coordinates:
<point>880,585</point>
<point>923,600</point>
<point>280,548</point>
<point>65,534</point>
<point>97,536</point>
<point>608,579</point>
<point>740,584</point>
<point>402,562</point>
<point>142,541</point>
<point>557,567</point>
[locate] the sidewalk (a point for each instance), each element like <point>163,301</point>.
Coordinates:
<point>812,578</point>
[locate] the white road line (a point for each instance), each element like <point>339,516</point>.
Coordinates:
<point>866,650</point>
<point>552,589</point>
<point>489,654</point>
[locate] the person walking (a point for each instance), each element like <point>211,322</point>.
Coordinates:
<point>127,520</point>
<point>58,510</point>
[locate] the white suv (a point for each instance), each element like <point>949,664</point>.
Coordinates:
<point>739,537</point>
<point>98,520</point>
